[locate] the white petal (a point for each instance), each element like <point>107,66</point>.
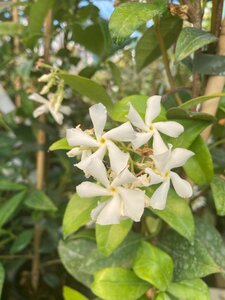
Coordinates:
<point>88,157</point>
<point>98,114</point>
<point>110,213</point>
<point>58,117</point>
<point>136,119</point>
<point>40,110</point>
<point>122,133</point>
<point>74,152</point>
<point>38,98</point>
<point>96,211</point>
<point>154,178</point>
<point>158,144</point>
<point>153,109</point>
<point>124,177</point>
<point>181,186</point>
<point>179,156</point>
<point>97,170</point>
<point>66,110</point>
<point>85,154</point>
<point>141,139</point>
<point>77,137</point>
<point>161,160</point>
<point>133,203</point>
<point>89,189</point>
<point>118,159</point>
<point>158,199</point>
<point>169,128</point>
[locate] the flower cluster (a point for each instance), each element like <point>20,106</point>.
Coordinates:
<point>125,189</point>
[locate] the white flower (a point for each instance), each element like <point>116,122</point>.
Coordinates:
<point>162,173</point>
<point>148,128</point>
<point>48,106</point>
<point>91,147</point>
<point>124,201</point>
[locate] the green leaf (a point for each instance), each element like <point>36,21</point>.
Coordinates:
<point>200,167</point>
<point>115,73</point>
<point>148,49</point>
<point>71,294</point>
<point>218,191</point>
<point>78,213</point>
<point>40,201</point>
<point>21,241</point>
<point>163,296</point>
<point>82,259</point>
<point>195,101</point>
<point>2,278</point>
<point>109,237</point>
<point>118,283</point>
<point>194,289</point>
<point>206,255</point>
<point>190,40</point>
<point>209,64</point>
<point>128,17</point>
<point>87,87</point>
<point>9,207</point>
<point>153,265</point>
<point>6,185</point>
<point>38,12</point>
<point>178,215</point>
<point>11,28</point>
<point>61,144</point>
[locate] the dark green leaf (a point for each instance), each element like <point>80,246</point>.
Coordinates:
<point>190,40</point>
<point>118,283</point>
<point>71,294</point>
<point>21,241</point>
<point>82,259</point>
<point>148,49</point>
<point>60,145</point>
<point>195,101</point>
<point>153,265</point>
<point>11,28</point>
<point>218,191</point>
<point>40,201</point>
<point>87,87</point>
<point>200,167</point>
<point>9,207</point>
<point>2,278</point>
<point>78,213</point>
<point>6,185</point>
<point>209,64</point>
<point>109,237</point>
<point>128,17</point>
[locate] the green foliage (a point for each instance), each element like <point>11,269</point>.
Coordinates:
<point>109,237</point>
<point>77,213</point>
<point>153,265</point>
<point>209,64</point>
<point>11,28</point>
<point>195,101</point>
<point>21,241</point>
<point>129,17</point>
<point>218,191</point>
<point>118,283</point>
<point>40,201</point>
<point>116,74</point>
<point>190,40</point>
<point>2,278</point>
<point>71,294</point>
<point>6,185</point>
<point>61,144</point>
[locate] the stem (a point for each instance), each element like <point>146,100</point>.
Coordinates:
<point>165,59</point>
<point>10,257</point>
<point>217,143</point>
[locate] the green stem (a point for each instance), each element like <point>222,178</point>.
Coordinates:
<point>217,143</point>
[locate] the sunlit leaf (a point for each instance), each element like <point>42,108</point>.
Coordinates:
<point>218,191</point>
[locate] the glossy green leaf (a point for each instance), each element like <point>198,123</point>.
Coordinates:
<point>40,201</point>
<point>11,28</point>
<point>178,215</point>
<point>109,237</point>
<point>209,64</point>
<point>71,294</point>
<point>61,144</point>
<point>115,73</point>
<point>218,191</point>
<point>128,17</point>
<point>199,168</point>
<point>87,87</point>
<point>2,278</point>
<point>118,283</point>
<point>194,289</point>
<point>190,40</point>
<point>162,296</point>
<point>153,265</point>
<point>21,241</point>
<point>82,259</point>
<point>6,185</point>
<point>148,49</point>
<point>78,213</point>
<point>8,208</point>
<point>206,255</point>
<point>195,101</point>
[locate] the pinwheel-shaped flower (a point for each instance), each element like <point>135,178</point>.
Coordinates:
<point>161,173</point>
<point>49,106</point>
<point>149,128</point>
<point>95,145</point>
<point>124,201</point>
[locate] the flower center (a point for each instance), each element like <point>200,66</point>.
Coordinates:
<point>112,190</point>
<point>167,175</point>
<point>102,140</point>
<point>151,127</point>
